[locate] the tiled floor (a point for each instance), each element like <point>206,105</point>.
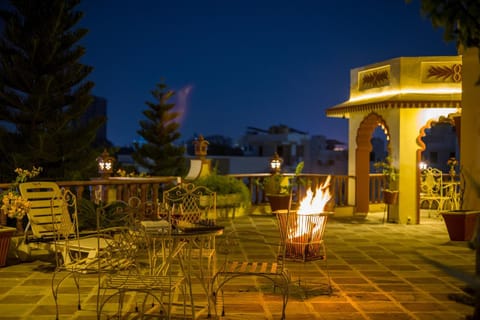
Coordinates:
<point>378,271</point>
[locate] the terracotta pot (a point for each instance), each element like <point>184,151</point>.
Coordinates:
<point>278,201</point>
<point>390,197</point>
<point>3,218</point>
<point>5,234</point>
<point>460,224</point>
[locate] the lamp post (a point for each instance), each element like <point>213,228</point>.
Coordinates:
<point>105,164</point>
<point>276,163</point>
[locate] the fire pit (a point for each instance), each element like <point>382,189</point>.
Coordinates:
<point>302,230</point>
<point>302,234</point>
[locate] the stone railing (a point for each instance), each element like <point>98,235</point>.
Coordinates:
<point>339,186</point>
<point>150,189</point>
<point>115,188</point>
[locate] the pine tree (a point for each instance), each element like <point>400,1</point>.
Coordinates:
<point>44,93</point>
<point>158,154</point>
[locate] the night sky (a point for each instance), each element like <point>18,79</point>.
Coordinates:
<point>244,63</point>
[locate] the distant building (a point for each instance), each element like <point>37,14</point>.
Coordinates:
<point>319,154</point>
<point>287,142</point>
<point>326,156</point>
<point>440,144</point>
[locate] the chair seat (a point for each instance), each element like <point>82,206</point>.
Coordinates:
<point>253,268</point>
<point>87,245</point>
<point>136,282</point>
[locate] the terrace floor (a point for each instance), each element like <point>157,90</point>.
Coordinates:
<point>378,271</point>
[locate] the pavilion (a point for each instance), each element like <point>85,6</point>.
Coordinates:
<point>404,96</point>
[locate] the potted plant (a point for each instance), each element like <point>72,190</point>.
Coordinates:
<point>390,174</point>
<point>13,206</point>
<point>278,188</point>
<point>232,194</point>
<point>460,222</point>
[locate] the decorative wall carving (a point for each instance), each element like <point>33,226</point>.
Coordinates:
<point>451,72</point>
<point>376,78</point>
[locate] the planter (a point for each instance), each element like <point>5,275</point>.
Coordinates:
<point>229,200</point>
<point>5,234</point>
<point>278,201</point>
<point>460,224</point>
<point>390,197</point>
<point>229,205</point>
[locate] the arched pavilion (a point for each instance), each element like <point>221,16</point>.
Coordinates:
<point>404,96</point>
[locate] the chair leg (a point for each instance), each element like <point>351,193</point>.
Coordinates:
<point>285,298</point>
<point>56,288</point>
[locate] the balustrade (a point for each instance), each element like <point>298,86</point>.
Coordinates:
<point>150,189</point>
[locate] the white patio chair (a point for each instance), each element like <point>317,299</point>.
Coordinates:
<point>431,189</point>
<point>53,219</point>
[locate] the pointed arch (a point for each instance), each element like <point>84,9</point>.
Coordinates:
<point>450,119</point>
<point>362,156</point>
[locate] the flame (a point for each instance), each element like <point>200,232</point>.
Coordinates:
<point>314,202</point>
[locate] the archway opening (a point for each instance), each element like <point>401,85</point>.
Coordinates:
<point>438,167</point>
<point>373,125</point>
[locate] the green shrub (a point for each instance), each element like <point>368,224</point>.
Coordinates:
<point>222,185</point>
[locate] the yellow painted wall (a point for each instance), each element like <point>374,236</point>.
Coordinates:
<point>470,127</point>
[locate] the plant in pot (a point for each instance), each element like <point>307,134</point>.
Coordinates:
<point>460,222</point>
<point>278,188</point>
<point>390,174</point>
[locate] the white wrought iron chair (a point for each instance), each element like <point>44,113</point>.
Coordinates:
<point>131,271</point>
<point>191,206</point>
<point>42,216</point>
<point>431,189</point>
<point>54,218</point>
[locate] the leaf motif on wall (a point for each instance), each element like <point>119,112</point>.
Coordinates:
<point>452,72</point>
<point>375,79</point>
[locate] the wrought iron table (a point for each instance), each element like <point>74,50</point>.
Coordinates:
<point>190,246</point>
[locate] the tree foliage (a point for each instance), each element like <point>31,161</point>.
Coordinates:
<point>158,154</point>
<point>44,94</point>
<point>459,18</point>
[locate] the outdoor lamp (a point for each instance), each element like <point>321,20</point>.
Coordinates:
<point>422,165</point>
<point>105,164</point>
<point>276,163</point>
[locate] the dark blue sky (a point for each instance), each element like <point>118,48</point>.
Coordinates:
<point>244,63</point>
